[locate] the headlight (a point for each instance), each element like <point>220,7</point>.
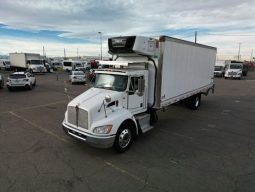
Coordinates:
<point>103,129</point>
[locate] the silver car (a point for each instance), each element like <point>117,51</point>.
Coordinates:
<point>77,77</point>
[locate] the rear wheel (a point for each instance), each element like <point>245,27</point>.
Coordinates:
<point>153,116</point>
<point>194,101</point>
<point>124,138</point>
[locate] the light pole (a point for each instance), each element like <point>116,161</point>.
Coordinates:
<point>239,51</point>
<point>100,33</point>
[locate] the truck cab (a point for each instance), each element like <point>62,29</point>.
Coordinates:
<point>233,70</point>
<point>110,109</point>
<point>36,66</point>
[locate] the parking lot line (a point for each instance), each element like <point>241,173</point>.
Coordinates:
<point>46,131</point>
<point>176,134</point>
<point>40,128</point>
<point>126,173</point>
<point>34,107</point>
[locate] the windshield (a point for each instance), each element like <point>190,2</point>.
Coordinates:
<point>235,66</point>
<point>218,68</point>
<point>112,82</point>
<point>17,76</point>
<point>69,64</point>
<point>36,62</point>
<point>79,65</point>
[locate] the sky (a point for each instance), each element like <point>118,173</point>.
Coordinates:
<point>73,25</point>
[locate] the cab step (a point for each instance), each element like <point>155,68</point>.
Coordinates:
<point>144,122</point>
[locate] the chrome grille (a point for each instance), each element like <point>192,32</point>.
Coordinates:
<point>232,73</point>
<point>81,118</point>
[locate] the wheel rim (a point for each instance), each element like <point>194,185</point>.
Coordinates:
<point>197,102</point>
<point>124,138</point>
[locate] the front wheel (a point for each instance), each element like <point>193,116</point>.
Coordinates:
<point>9,88</point>
<point>124,139</point>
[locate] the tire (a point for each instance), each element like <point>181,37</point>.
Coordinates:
<point>194,101</point>
<point>124,138</point>
<point>153,116</point>
<point>29,87</point>
<point>34,83</point>
<point>9,88</point>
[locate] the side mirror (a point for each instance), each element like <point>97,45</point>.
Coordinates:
<point>108,98</point>
<point>141,85</point>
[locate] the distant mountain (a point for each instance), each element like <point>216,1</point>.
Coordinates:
<point>4,57</point>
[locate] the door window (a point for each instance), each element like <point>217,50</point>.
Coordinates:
<point>133,87</point>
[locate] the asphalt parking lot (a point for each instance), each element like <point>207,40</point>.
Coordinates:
<point>211,149</point>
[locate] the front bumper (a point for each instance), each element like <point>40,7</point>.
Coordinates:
<point>95,141</point>
<point>233,76</point>
<point>218,74</point>
<point>39,70</point>
<point>78,80</point>
<point>16,84</point>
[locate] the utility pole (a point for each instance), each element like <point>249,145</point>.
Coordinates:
<point>195,37</point>
<point>77,54</point>
<point>100,33</point>
<point>239,52</point>
<point>64,53</point>
<point>251,55</point>
<point>43,51</point>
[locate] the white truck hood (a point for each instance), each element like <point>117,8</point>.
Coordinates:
<point>94,97</point>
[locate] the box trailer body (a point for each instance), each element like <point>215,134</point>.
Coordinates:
<point>27,61</point>
<point>184,69</point>
<point>147,75</point>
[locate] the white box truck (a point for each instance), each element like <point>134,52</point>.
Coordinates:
<point>147,75</point>
<point>27,61</point>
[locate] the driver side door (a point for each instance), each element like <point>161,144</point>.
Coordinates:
<point>136,101</point>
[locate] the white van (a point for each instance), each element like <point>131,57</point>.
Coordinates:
<point>67,65</point>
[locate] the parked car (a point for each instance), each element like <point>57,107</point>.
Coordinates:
<point>77,77</point>
<point>218,71</point>
<point>21,79</point>
<point>1,81</point>
<point>57,65</point>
